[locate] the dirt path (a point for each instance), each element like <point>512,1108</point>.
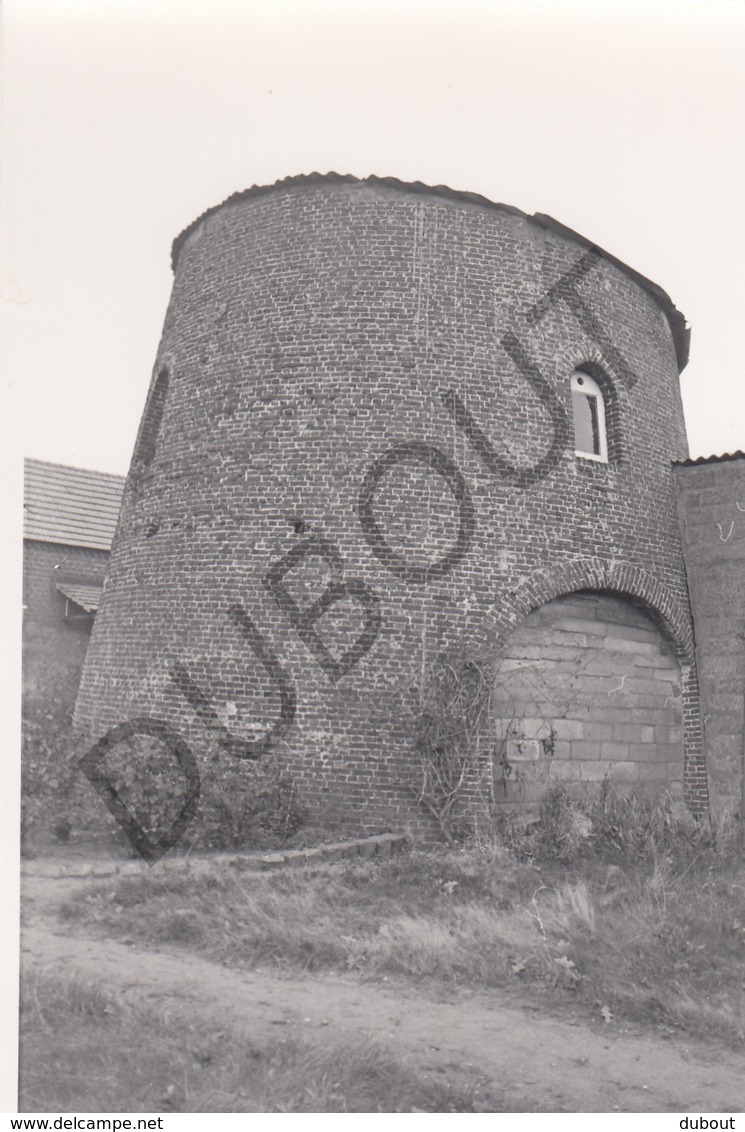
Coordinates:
<point>520,1058</point>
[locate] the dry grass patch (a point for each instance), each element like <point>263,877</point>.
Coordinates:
<point>85,1051</point>
<point>649,928</point>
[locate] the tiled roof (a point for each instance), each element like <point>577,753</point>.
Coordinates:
<point>72,506</point>
<point>711,459</point>
<point>87,596</point>
<point>680,331</point>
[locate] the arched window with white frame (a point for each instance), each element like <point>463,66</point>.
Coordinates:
<point>588,407</point>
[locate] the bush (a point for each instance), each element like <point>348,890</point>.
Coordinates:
<point>51,797</point>
<point>243,805</point>
<point>248,805</point>
<point>46,778</point>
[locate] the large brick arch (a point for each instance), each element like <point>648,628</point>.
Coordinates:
<point>623,580</point>
<point>620,578</point>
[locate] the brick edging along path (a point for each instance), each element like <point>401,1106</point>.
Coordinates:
<point>381,845</point>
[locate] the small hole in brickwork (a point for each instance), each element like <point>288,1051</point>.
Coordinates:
<point>152,528</point>
<point>299,526</point>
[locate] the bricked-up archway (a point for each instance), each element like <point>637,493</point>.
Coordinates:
<point>672,619</point>
<point>588,687</point>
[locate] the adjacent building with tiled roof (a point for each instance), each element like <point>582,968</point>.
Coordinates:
<point>71,506</point>
<point>70,516</point>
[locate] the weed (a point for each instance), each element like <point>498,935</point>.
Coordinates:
<point>453,704</point>
<point>610,825</point>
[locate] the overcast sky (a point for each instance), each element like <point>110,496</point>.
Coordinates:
<point>125,119</point>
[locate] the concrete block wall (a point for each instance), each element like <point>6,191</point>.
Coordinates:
<point>589,688</point>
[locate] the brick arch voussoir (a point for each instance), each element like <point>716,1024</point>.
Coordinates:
<point>619,578</point>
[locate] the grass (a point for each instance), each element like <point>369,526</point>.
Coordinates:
<point>642,936</point>
<point>84,1051</point>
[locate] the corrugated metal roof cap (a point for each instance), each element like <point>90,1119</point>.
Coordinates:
<point>690,463</point>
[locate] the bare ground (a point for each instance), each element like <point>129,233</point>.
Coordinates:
<point>519,1057</point>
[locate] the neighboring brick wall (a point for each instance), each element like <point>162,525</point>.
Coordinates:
<point>589,688</point>
<point>311,329</point>
<point>54,648</point>
<point>711,498</point>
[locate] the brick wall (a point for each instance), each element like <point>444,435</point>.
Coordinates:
<point>311,330</point>
<point>711,499</point>
<point>54,647</point>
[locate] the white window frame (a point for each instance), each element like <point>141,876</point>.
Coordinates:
<point>584,384</point>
